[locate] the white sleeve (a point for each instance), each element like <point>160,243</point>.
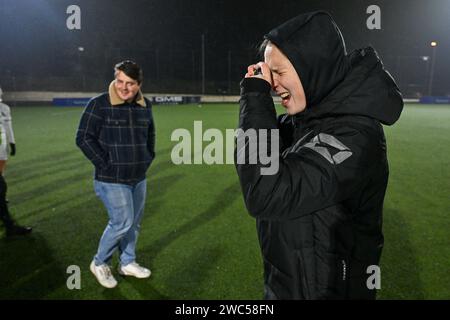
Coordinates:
<point>7,123</point>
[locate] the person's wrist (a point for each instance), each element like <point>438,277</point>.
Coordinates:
<point>254,84</point>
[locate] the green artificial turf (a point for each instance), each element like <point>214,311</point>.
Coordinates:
<point>196,235</point>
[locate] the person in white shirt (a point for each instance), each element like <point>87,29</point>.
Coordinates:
<point>7,144</point>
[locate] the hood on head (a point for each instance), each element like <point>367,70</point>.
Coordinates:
<point>367,90</point>
<point>315,46</point>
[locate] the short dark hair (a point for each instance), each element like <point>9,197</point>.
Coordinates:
<point>131,69</point>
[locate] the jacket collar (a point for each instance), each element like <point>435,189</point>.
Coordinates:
<point>115,99</point>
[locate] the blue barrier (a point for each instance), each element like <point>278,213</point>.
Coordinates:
<point>70,102</point>
<point>434,100</point>
<point>174,99</point>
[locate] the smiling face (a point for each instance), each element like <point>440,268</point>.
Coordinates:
<point>286,82</point>
<point>126,87</point>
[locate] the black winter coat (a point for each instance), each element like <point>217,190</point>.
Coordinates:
<point>319,218</point>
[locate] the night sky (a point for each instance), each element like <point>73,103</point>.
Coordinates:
<point>38,52</point>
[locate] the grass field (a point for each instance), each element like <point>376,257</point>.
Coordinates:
<point>196,235</point>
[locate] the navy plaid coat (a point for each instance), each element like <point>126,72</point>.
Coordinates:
<point>118,138</point>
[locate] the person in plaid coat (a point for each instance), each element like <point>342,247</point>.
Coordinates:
<point>117,134</point>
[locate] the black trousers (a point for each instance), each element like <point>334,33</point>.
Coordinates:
<point>4,213</point>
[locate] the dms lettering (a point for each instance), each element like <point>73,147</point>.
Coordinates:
<point>168,99</point>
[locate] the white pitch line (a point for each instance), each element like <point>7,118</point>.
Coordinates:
<point>64,112</point>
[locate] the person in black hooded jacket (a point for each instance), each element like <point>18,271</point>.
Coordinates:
<point>319,217</point>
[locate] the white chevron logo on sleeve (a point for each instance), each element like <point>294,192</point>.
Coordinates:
<point>317,144</point>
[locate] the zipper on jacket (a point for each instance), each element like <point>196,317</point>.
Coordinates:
<point>303,279</point>
<point>132,141</point>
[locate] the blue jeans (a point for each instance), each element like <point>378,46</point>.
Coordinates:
<point>125,205</point>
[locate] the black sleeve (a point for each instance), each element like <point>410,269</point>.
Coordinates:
<point>286,127</point>
<point>257,110</point>
<point>88,133</point>
<point>315,175</point>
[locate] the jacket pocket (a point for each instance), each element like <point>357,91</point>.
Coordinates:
<point>281,284</point>
<point>116,122</point>
<point>142,122</point>
<point>116,130</point>
<point>303,275</point>
<point>106,172</point>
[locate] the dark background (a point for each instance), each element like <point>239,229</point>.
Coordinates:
<point>39,53</point>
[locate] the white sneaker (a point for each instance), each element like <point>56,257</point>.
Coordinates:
<point>135,270</point>
<point>103,275</point>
